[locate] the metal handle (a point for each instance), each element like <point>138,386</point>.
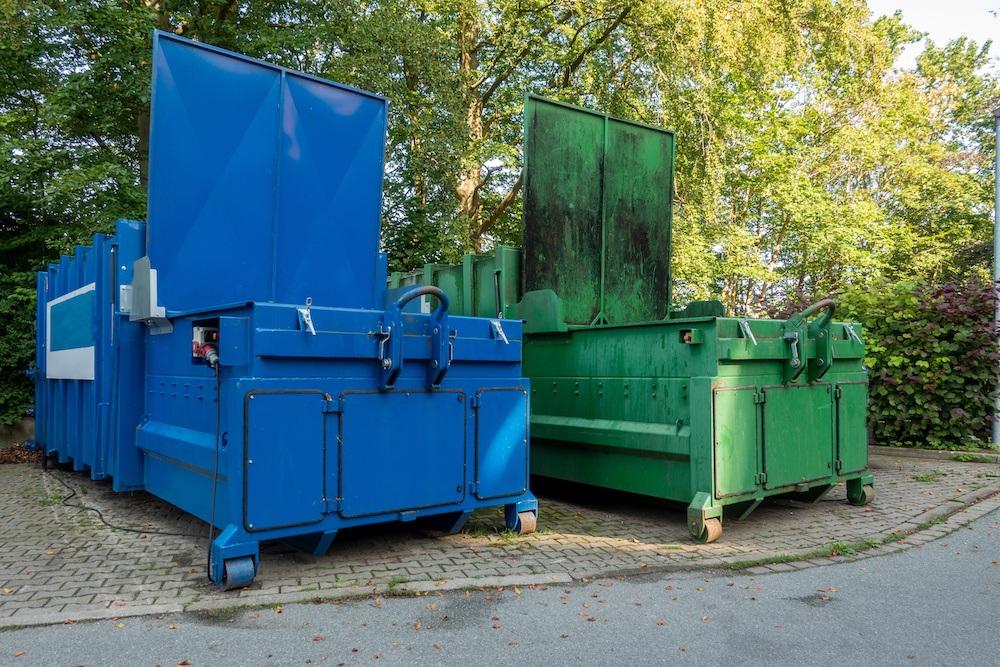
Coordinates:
<point>829,304</point>
<point>423,290</point>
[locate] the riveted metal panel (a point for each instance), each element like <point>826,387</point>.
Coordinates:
<point>798,433</point>
<point>502,442</point>
<point>852,426</point>
<point>284,458</point>
<point>401,450</point>
<point>735,431</point>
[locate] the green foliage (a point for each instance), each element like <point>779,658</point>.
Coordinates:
<point>806,162</point>
<point>17,346</point>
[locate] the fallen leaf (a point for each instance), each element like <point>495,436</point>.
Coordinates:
<point>643,565</point>
<point>564,636</point>
<point>378,655</point>
<point>255,616</point>
<point>19,654</point>
<point>192,571</point>
<point>704,618</point>
<point>437,646</point>
<point>517,591</point>
<point>832,589</point>
<point>682,649</point>
<point>354,650</point>
<point>119,625</point>
<point>495,618</point>
<point>468,594</point>
<point>49,553</point>
<point>591,619</point>
<point>183,663</point>
<point>669,588</point>
<point>378,602</point>
<point>319,638</point>
<point>511,643</point>
<point>638,604</point>
<point>497,626</point>
<point>277,610</point>
<point>173,627</point>
<point>8,590</point>
<point>659,622</point>
<point>416,626</point>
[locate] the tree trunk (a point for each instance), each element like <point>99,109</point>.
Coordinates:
<point>470,177</point>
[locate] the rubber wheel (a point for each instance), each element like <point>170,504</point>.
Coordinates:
<point>526,522</point>
<point>867,495</point>
<point>237,573</point>
<point>712,532</point>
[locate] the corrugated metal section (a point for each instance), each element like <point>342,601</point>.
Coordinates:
<point>86,399</point>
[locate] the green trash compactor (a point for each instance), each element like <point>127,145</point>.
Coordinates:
<point>688,406</point>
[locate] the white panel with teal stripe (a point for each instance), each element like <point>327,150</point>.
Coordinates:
<point>70,335</point>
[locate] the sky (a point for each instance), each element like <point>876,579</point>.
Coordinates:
<point>944,20</point>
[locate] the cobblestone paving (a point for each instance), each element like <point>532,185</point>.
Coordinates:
<point>59,562</point>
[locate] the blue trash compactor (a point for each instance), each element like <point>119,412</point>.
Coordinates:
<point>239,356</point>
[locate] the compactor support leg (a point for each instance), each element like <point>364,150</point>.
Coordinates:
<point>860,492</point>
<point>522,517</point>
<point>704,519</point>
<point>234,563</point>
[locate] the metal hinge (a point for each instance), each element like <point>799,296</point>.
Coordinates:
<point>839,465</point>
<point>838,392</point>
<point>474,488</point>
<point>331,406</point>
<point>760,478</point>
<point>758,397</point>
<point>474,401</point>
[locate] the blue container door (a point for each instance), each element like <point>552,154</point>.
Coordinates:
<point>501,442</point>
<point>285,452</point>
<point>401,451</point>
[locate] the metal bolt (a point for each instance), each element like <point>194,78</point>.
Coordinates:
<point>819,335</point>
<point>434,363</point>
<point>459,488</point>
<point>387,363</point>
<point>249,461</point>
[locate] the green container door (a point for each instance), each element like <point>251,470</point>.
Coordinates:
<point>852,429</point>
<point>736,429</point>
<point>798,434</point>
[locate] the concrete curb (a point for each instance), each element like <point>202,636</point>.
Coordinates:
<point>940,454</point>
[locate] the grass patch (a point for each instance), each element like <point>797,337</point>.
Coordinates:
<point>832,549</point>
<point>970,458</point>
<point>932,476</point>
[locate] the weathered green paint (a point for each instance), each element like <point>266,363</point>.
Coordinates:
<point>597,207</point>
